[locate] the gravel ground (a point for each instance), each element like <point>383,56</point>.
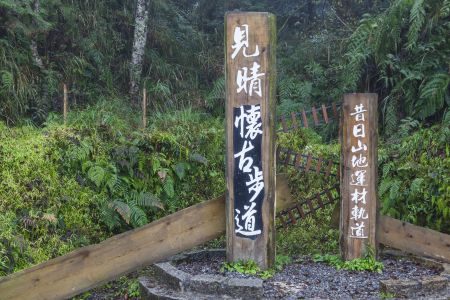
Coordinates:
<point>319,280</point>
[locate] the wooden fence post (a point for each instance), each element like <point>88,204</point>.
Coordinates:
<point>359,204</point>
<point>65,104</point>
<point>144,108</point>
<point>250,111</point>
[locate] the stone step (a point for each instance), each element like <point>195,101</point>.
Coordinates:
<point>151,290</point>
<point>167,274</point>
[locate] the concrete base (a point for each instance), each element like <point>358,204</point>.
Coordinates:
<point>168,282</point>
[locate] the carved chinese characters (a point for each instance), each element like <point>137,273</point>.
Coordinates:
<point>358,174</point>
<point>358,182</point>
<point>250,77</point>
<point>248,175</point>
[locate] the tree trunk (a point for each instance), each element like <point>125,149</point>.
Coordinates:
<point>33,46</point>
<point>140,39</point>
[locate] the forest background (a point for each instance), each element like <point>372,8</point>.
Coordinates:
<point>67,186</point>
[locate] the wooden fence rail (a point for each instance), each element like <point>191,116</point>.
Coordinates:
<point>87,267</point>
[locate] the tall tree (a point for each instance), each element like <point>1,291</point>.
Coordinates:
<point>33,46</point>
<point>140,39</point>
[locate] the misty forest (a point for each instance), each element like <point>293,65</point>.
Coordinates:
<point>113,116</point>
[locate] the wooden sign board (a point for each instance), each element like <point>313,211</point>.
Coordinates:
<point>250,51</point>
<point>359,204</point>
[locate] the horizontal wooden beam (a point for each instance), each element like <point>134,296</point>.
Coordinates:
<point>414,239</point>
<point>87,267</point>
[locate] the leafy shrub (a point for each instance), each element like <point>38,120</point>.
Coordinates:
<point>414,177</point>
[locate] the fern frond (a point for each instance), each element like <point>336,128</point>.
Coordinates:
<point>146,199</point>
<point>96,174</point>
<point>217,93</point>
<point>416,185</point>
<point>138,216</point>
<point>390,118</point>
<point>122,208</point>
<point>109,216</point>
<point>168,187</point>
<point>445,9</point>
<point>432,95</point>
<point>416,21</point>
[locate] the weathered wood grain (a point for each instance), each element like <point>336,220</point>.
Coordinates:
<point>261,32</point>
<point>414,239</point>
<point>87,267</point>
<point>354,247</point>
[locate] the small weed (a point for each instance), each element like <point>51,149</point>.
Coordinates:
<point>387,295</point>
<point>248,267</point>
<point>281,261</point>
<point>251,268</point>
<point>367,263</point>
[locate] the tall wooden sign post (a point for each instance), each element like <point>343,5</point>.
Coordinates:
<point>250,50</point>
<point>359,204</point>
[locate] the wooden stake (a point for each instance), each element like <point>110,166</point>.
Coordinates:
<point>359,204</point>
<point>250,74</point>
<point>144,108</point>
<point>65,104</point>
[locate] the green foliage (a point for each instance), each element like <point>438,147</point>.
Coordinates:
<point>314,233</point>
<point>250,267</point>
<point>368,263</point>
<point>402,54</point>
<point>387,295</point>
<point>414,176</point>
<point>281,261</point>
<point>69,186</point>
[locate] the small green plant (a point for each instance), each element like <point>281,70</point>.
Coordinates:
<point>281,261</point>
<point>368,263</point>
<point>387,295</point>
<point>133,288</point>
<point>267,274</point>
<point>128,286</point>
<point>250,267</point>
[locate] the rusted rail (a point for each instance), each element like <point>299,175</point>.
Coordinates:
<point>309,206</point>
<point>316,116</point>
<point>306,162</point>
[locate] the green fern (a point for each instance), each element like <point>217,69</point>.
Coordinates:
<point>96,174</point>
<point>7,80</point>
<point>169,187</point>
<point>416,21</point>
<point>445,9</point>
<point>122,208</point>
<point>138,216</point>
<point>432,94</point>
<point>146,199</point>
<point>217,94</point>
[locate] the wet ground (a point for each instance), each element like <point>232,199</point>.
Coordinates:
<point>308,279</point>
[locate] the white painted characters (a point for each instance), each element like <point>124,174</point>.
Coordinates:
<point>248,78</point>
<point>252,83</point>
<point>248,136</point>
<point>241,41</point>
<point>249,124</point>
<point>359,164</point>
